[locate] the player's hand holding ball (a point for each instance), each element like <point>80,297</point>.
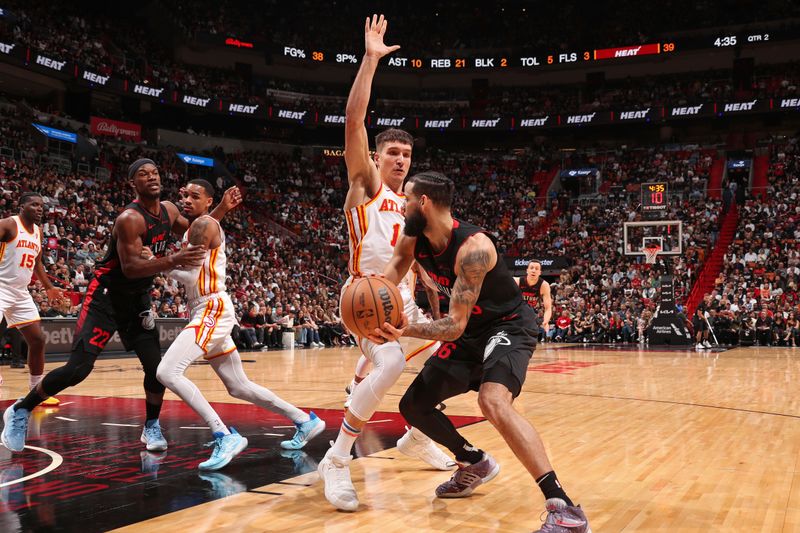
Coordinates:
<point>369,304</point>
<point>388,332</point>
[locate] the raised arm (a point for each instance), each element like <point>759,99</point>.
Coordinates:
<point>230,200</point>
<point>361,170</point>
<point>476,257</point>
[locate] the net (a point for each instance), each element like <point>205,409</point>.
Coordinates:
<point>651,253</point>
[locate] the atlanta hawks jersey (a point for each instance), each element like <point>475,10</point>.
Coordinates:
<point>374,228</point>
<point>211,276</point>
<point>18,257</point>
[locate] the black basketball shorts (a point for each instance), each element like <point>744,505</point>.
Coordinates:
<point>499,354</point>
<point>106,311</point>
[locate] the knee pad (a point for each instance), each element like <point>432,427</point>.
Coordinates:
<point>389,362</point>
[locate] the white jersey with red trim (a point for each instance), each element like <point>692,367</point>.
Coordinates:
<point>18,256</point>
<point>374,228</point>
<point>211,312</point>
<point>211,276</point>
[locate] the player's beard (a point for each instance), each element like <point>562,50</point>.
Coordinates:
<point>415,224</point>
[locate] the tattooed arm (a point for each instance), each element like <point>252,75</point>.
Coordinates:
<point>430,290</point>
<point>476,257</point>
<point>202,232</point>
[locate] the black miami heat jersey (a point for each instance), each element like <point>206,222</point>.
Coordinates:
<point>500,296</point>
<point>109,270</point>
<point>532,294</point>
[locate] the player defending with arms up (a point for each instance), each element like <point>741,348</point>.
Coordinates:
<point>20,258</point>
<point>374,212</point>
<point>208,335</point>
<point>488,338</point>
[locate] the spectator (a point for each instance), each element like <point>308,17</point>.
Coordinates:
<point>764,331</point>
<point>247,324</point>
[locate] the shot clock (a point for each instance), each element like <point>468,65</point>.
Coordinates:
<point>654,196</point>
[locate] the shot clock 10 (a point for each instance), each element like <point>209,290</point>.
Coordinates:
<point>654,196</point>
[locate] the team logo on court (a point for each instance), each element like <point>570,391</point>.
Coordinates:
<point>501,337</point>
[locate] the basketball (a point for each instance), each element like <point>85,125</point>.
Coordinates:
<point>369,302</point>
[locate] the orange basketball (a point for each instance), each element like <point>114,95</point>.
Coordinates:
<point>369,302</point>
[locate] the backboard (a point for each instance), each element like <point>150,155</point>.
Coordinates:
<point>667,233</point>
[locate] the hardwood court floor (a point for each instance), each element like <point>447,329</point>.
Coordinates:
<point>645,440</point>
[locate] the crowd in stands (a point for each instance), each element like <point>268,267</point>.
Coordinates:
<point>288,248</point>
<point>265,270</point>
<point>115,41</point>
<point>755,299</point>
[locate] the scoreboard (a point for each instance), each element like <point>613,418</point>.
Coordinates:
<point>540,58</point>
<point>654,197</point>
<point>531,60</point>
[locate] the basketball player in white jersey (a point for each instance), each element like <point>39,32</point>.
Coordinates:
<point>374,212</point>
<point>20,258</point>
<point>207,335</point>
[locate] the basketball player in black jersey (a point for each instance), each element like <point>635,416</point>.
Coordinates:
<point>534,290</point>
<point>118,299</point>
<point>488,338</point>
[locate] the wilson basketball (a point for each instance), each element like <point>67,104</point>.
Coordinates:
<point>368,303</point>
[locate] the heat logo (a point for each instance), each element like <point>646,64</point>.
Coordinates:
<point>500,338</point>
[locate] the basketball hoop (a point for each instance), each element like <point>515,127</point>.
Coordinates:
<point>651,253</point>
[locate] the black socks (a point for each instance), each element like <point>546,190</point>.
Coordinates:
<point>551,488</point>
